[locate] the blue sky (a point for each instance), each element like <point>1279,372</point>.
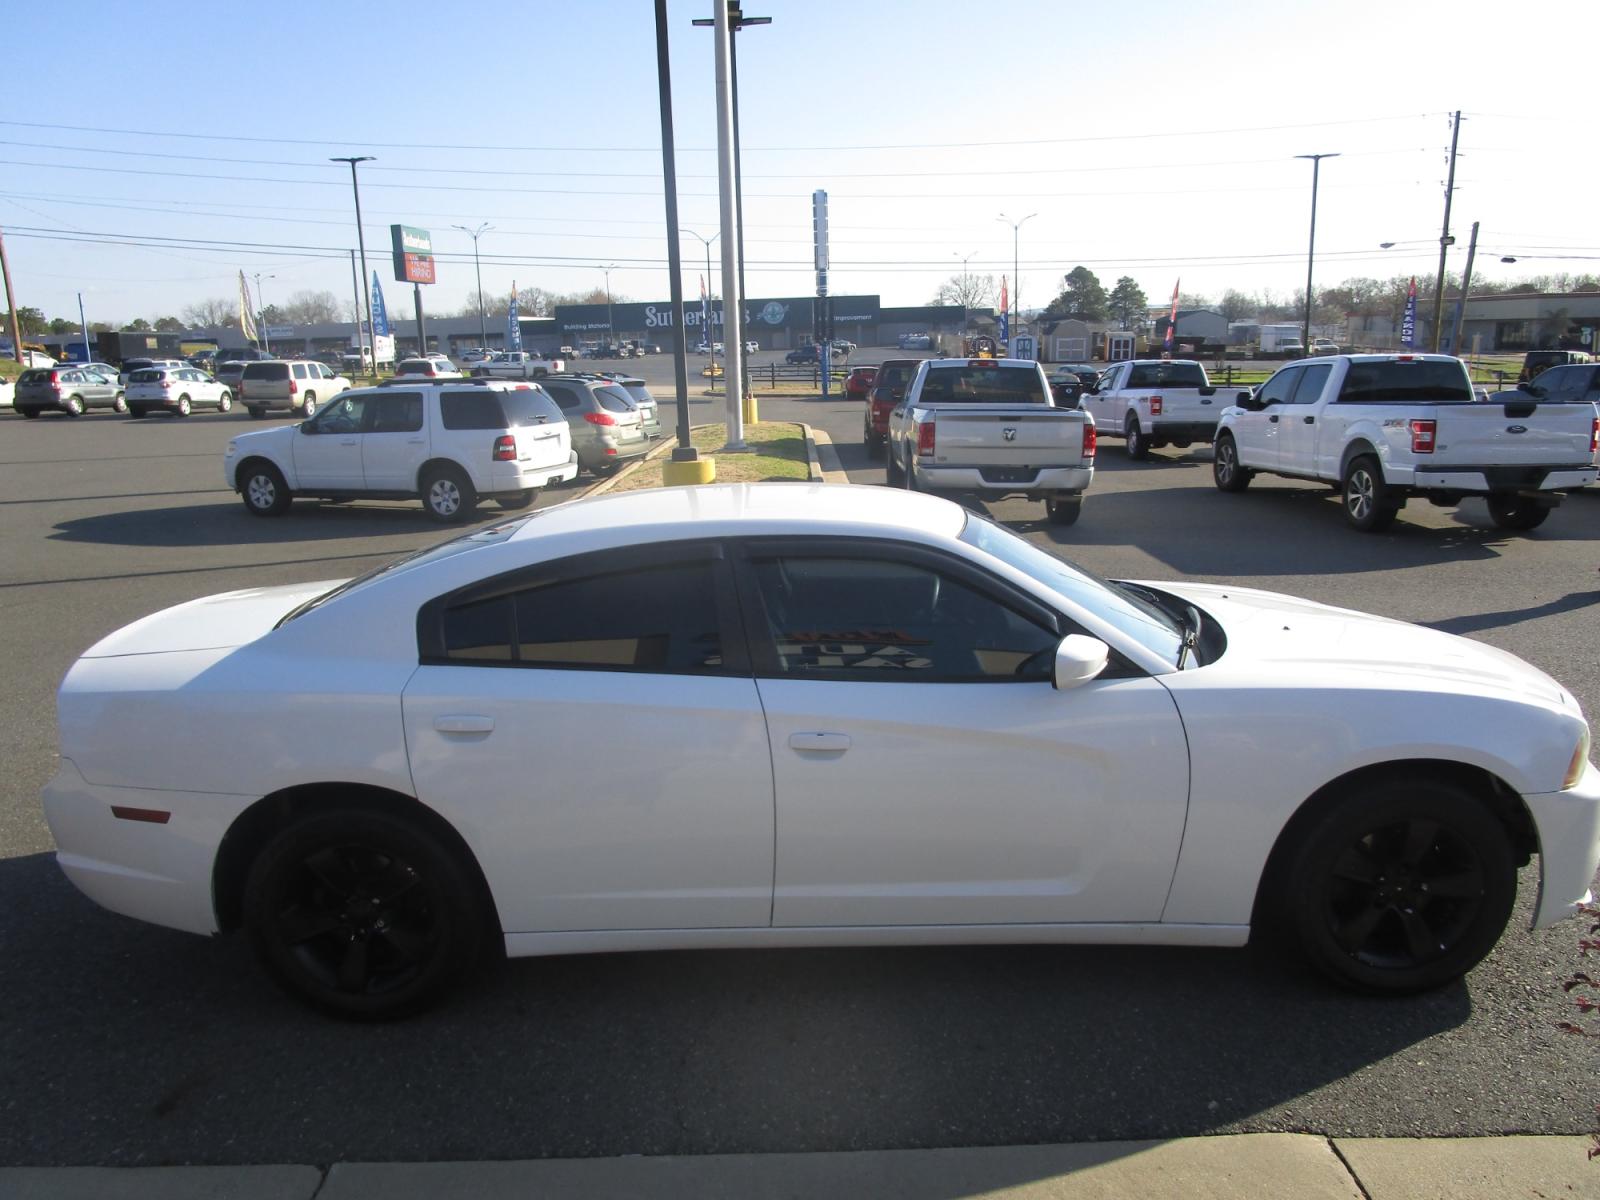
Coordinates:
<point>1155,140</point>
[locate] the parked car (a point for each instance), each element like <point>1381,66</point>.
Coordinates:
<point>8,391</point>
<point>888,390</point>
<point>752,347</point>
<point>475,354</point>
<point>1154,403</point>
<point>71,390</point>
<point>808,353</point>
<point>130,365</point>
<point>844,346</point>
<point>859,382</point>
<point>1578,383</point>
<point>649,409</point>
<point>607,427</point>
<point>36,358</point>
<point>915,341</point>
<point>99,368</point>
<point>229,373</point>
<point>423,368</point>
<point>1003,749</point>
<point>295,384</point>
<point>178,390</point>
<point>1535,362</point>
<point>449,445</point>
<point>517,364</point>
<point>443,360</point>
<point>1322,346</point>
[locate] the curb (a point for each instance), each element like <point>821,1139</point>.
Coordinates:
<point>814,470</point>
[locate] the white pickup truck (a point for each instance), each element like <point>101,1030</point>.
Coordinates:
<point>989,426</point>
<point>517,364</point>
<point>1154,403</point>
<point>1385,427</point>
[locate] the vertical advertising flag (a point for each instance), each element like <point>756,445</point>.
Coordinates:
<point>380,312</point>
<point>247,324</point>
<point>705,313</point>
<point>513,324</point>
<point>1172,317</point>
<point>1408,323</point>
<point>1005,311</point>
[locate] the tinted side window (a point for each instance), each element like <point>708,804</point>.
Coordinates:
<point>1278,389</point>
<point>859,618</point>
<point>479,632</point>
<point>471,410</point>
<point>528,407</point>
<point>342,416</point>
<point>614,399</point>
<point>396,412</point>
<point>566,397</point>
<point>1312,380</point>
<point>300,370</point>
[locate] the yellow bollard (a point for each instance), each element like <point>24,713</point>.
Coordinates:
<point>751,409</point>
<point>681,474</point>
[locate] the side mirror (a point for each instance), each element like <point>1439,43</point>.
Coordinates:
<point>1092,390</point>
<point>306,427</point>
<point>1078,660</point>
<point>1208,391</point>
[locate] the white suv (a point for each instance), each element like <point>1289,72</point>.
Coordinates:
<point>296,384</point>
<point>448,444</point>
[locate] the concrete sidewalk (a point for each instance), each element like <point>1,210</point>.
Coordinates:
<point>1301,1166</point>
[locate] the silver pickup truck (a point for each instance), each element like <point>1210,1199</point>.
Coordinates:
<point>988,426</point>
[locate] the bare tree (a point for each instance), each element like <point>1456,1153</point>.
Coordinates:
<point>218,310</point>
<point>309,308</point>
<point>969,291</point>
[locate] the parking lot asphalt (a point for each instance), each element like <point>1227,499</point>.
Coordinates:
<point>125,1044</point>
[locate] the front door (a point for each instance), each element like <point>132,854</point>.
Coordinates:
<point>593,730</point>
<point>1256,432</point>
<point>327,447</point>
<point>927,771</point>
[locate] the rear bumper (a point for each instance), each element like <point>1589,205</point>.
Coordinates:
<point>527,476</point>
<point>1569,846</point>
<point>1184,431</point>
<point>1553,478</point>
<point>1002,480</point>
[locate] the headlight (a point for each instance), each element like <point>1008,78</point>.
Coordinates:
<point>1580,759</point>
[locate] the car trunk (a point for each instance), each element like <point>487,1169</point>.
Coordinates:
<point>1516,433</point>
<point>984,435</point>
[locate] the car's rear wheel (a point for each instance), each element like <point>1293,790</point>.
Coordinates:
<point>362,914</point>
<point>1517,512</point>
<point>447,495</point>
<point>1063,510</point>
<point>1401,886</point>
<point>1226,472</point>
<point>1134,440</point>
<point>224,402</point>
<point>512,501</point>
<point>120,403</point>
<point>1367,503</point>
<point>184,407</point>
<point>263,488</point>
<point>73,405</point>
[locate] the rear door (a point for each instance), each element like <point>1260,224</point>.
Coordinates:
<point>1298,423</point>
<point>394,444</point>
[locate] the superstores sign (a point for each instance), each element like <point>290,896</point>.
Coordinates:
<point>413,254</point>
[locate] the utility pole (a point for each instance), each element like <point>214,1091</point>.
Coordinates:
<point>1444,236</point>
<point>366,275</point>
<point>261,307</point>
<point>11,303</point>
<point>483,321</point>
<point>1016,283</point>
<point>611,326</point>
<point>355,286</point>
<point>1311,251</point>
<point>732,301</point>
<point>1466,288</point>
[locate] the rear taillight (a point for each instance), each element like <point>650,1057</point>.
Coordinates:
<point>55,378</point>
<point>238,389</point>
<point>1091,440</point>
<point>294,387</point>
<point>925,434</point>
<point>1422,436</point>
<point>1594,435</point>
<point>505,448</point>
<point>599,418</point>
<point>1155,406</point>
<point>166,385</point>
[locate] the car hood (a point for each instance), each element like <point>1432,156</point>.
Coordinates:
<point>1292,641</point>
<point>210,623</point>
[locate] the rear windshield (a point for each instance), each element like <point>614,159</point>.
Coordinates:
<point>896,376</point>
<point>1546,358</point>
<point>147,376</point>
<point>984,385</point>
<point>496,410</point>
<point>614,399</point>
<point>39,376</point>
<point>133,364</point>
<point>268,370</point>
<point>1167,374</point>
<point>1420,381</point>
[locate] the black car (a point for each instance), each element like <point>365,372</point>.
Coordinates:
<point>1536,362</point>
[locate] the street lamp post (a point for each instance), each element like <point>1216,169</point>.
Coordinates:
<point>369,339</point>
<point>705,334</point>
<point>483,322</point>
<point>611,328</point>
<point>1016,283</point>
<point>261,307</point>
<point>1311,251</point>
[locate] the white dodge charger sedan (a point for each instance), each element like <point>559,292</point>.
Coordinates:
<point>854,716</point>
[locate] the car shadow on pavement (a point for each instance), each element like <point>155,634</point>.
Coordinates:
<point>127,1044</point>
<point>1478,622</point>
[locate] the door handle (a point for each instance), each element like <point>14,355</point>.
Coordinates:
<point>1273,418</point>
<point>463,723</point>
<point>415,441</point>
<point>348,442</point>
<point>822,743</point>
<point>1309,420</point>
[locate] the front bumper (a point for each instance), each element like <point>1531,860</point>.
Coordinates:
<point>1568,824</point>
<point>1001,480</point>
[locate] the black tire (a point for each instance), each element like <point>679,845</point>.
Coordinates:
<point>871,438</point>
<point>517,500</point>
<point>891,470</point>
<point>362,914</point>
<point>541,373</point>
<point>1133,439</point>
<point>257,413</point>
<point>1226,472</point>
<point>29,414</point>
<point>308,406</point>
<point>1399,887</point>
<point>1366,501</point>
<point>1517,512</point>
<point>1063,510</point>
<point>138,412</point>
<point>73,406</point>
<point>184,407</point>
<point>224,402</point>
<point>262,487</point>
<point>447,495</point>
<point>120,403</point>
<point>908,475</point>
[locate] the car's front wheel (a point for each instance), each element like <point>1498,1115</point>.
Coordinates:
<point>447,495</point>
<point>120,403</point>
<point>362,914</point>
<point>265,492</point>
<point>1226,472</point>
<point>1517,512</point>
<point>1402,886</point>
<point>308,406</point>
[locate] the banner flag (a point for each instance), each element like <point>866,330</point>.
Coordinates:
<point>1005,311</point>
<point>1408,323</point>
<point>380,313</point>
<point>1172,317</point>
<point>247,323</point>
<point>705,313</point>
<point>513,325</point>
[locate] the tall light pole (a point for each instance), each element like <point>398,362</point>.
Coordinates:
<point>611,328</point>
<point>1311,251</point>
<point>369,339</point>
<point>705,334</point>
<point>1016,284</point>
<point>736,21</point>
<point>1445,240</point>
<point>261,307</point>
<point>83,322</point>
<point>483,321</point>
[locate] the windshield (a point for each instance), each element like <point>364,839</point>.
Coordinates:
<point>1120,606</point>
<point>489,535</point>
